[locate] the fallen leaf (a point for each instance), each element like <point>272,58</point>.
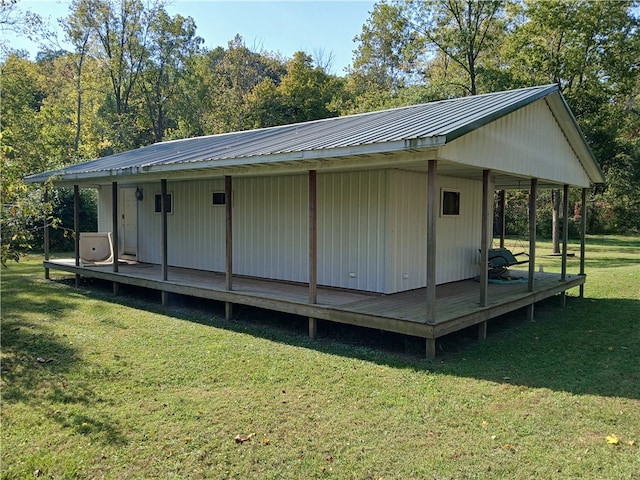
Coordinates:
<point>265,441</point>
<point>631,443</point>
<point>243,438</point>
<point>187,439</point>
<point>613,439</point>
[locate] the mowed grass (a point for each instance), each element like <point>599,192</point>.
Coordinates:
<point>96,386</point>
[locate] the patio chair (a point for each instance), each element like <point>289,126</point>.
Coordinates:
<point>500,259</point>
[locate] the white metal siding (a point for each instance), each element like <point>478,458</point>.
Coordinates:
<point>351,229</point>
<point>270,227</point>
<point>526,142</point>
<point>458,238</point>
<point>371,228</point>
<point>195,228</point>
<point>406,252</point>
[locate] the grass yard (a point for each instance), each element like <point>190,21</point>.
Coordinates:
<point>96,386</point>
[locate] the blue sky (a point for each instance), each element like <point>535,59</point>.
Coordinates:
<point>283,26</point>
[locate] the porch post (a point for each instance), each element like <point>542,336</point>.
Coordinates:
<point>532,242</point>
<point>228,188</point>
<point>46,234</point>
<point>503,228</point>
<point>76,228</point>
<point>484,241</point>
<point>431,241</point>
<point>313,248</point>
<point>116,221</point>
<point>565,240</point>
<point>165,267</point>
<point>583,236</point>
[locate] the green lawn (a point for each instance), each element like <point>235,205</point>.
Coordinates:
<point>96,386</point>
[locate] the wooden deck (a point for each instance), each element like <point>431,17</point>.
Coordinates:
<point>457,304</point>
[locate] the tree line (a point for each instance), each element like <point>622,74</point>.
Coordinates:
<point>136,75</point>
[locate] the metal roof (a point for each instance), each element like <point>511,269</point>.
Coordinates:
<point>416,126</point>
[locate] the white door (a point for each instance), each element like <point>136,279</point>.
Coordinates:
<point>128,243</point>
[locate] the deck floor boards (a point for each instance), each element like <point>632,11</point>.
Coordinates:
<point>457,303</point>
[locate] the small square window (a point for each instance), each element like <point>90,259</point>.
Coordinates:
<point>450,203</point>
<point>219,198</point>
<point>158,203</point>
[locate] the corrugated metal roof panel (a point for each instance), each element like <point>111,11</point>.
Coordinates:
<point>442,119</point>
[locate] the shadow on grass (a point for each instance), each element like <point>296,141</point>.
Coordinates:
<point>588,347</point>
<point>36,362</point>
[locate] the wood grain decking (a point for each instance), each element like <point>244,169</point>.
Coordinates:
<point>457,304</point>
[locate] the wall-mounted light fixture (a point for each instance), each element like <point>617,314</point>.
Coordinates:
<point>139,195</point>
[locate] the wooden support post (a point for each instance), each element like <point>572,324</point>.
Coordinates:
<point>76,228</point>
<point>583,236</point>
<point>503,227</point>
<point>530,312</point>
<point>46,234</point>
<point>313,248</point>
<point>431,348</point>
<point>565,231</point>
<point>532,243</point>
<point>115,231</point>
<point>116,223</point>
<point>484,241</point>
<point>565,240</point>
<point>228,192</point>
<point>165,265</point>
<point>313,328</point>
<point>532,233</point>
<point>482,330</point>
<point>431,244</point>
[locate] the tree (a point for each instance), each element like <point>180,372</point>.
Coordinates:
<point>172,42</point>
<point>460,30</point>
<point>21,152</point>
<point>119,35</point>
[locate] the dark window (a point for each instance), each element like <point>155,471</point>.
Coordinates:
<point>450,203</point>
<point>158,204</point>
<point>219,198</point>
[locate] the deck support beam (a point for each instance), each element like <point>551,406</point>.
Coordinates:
<point>565,240</point>
<point>165,266</point>
<point>533,194</point>
<point>431,244</point>
<point>76,228</point>
<point>583,235</point>
<point>47,276</point>
<point>116,221</point>
<point>228,192</point>
<point>313,248</point>
<point>484,241</point>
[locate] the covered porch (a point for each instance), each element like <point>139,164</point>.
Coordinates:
<point>457,304</point>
